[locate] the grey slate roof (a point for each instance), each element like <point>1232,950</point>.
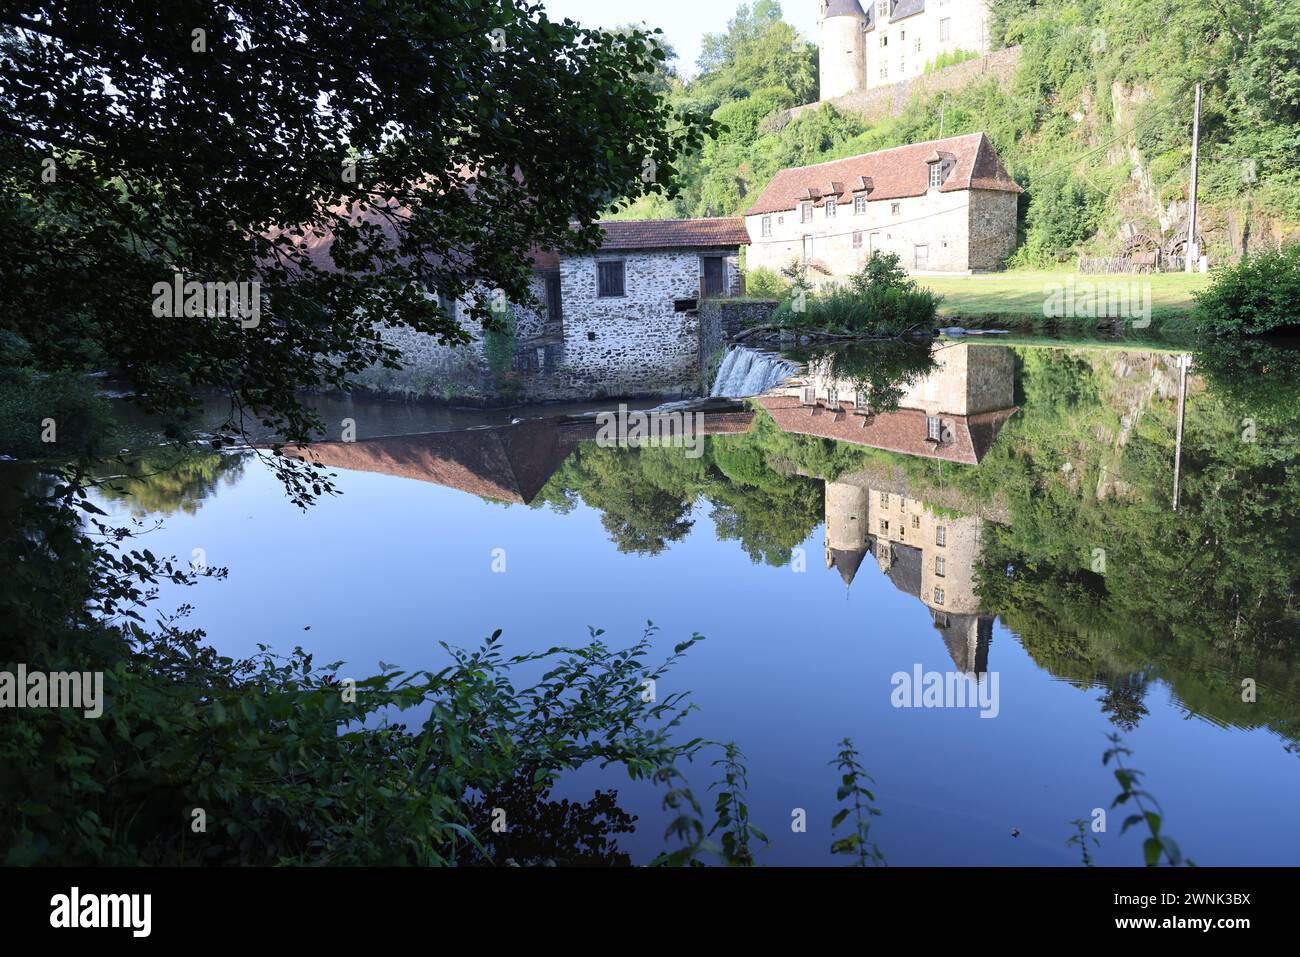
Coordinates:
<point>844,8</point>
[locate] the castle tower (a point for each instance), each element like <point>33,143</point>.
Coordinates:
<point>846,527</point>
<point>843,48</point>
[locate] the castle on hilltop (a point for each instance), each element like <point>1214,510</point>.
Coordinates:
<point>892,40</point>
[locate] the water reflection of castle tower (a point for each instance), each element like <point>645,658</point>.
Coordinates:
<point>927,553</point>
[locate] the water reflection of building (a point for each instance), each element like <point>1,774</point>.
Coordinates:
<point>954,413</point>
<point>927,553</point>
<point>507,463</point>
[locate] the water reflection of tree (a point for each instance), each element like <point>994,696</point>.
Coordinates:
<point>166,480</point>
<point>881,371</point>
<point>1196,598</point>
<point>1123,701</point>
<point>646,495</point>
<point>538,831</point>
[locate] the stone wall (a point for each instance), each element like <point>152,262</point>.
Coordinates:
<point>637,344</point>
<point>432,368</point>
<point>993,218</point>
<point>720,319</point>
<point>885,101</point>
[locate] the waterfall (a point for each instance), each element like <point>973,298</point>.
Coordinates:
<point>745,372</point>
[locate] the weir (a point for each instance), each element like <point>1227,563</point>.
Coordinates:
<point>745,372</point>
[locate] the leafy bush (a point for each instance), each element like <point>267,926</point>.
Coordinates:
<point>763,282</point>
<point>880,300</point>
<point>499,339</point>
<point>80,419</point>
<point>1258,295</point>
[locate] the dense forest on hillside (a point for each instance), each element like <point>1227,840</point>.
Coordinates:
<point>1096,124</point>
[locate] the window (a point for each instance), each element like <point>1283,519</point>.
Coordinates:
<point>448,304</point>
<point>809,395</point>
<point>860,205</point>
<point>916,45</point>
<point>938,596</point>
<point>832,397</point>
<point>884,40</point>
<point>767,225</point>
<point>936,174</point>
<point>884,71</point>
<point>830,207</point>
<point>941,536</point>
<point>609,279</point>
<point>945,29</point>
<point>884,500</point>
<point>884,527</point>
<point>895,209</point>
<point>933,428</point>
<point>860,401</point>
<point>940,563</point>
<point>902,66</point>
<point>857,240</point>
<point>882,8</point>
<point>916,521</point>
<point>805,212</point>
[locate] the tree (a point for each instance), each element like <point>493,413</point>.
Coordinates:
<point>350,159</point>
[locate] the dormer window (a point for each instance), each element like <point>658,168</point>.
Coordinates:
<point>936,175</point>
<point>882,9</point>
<point>859,205</point>
<point>830,207</point>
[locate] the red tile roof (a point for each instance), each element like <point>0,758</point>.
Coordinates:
<point>674,233</point>
<point>890,174</point>
<point>902,431</point>
<point>508,463</point>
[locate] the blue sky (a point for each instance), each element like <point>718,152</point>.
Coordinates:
<point>684,22</point>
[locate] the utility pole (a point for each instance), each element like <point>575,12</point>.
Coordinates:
<point>1194,254</point>
<point>1184,363</point>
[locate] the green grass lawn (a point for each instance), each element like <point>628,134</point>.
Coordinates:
<point>1021,295</point>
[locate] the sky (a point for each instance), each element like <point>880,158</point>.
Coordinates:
<point>684,22</point>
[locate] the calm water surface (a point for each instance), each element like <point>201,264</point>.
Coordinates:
<point>1030,543</point>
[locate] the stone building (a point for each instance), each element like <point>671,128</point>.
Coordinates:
<point>630,318</point>
<point>622,321</point>
<point>893,40</point>
<point>952,414</point>
<point>944,206</point>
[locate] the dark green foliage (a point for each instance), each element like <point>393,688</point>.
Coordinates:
<point>1082,839</point>
<point>176,165</point>
<point>27,399</point>
<point>862,807</point>
<point>1158,847</point>
<point>731,808</point>
<point>499,341</point>
<point>1261,294</point>
<point>1062,214</point>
